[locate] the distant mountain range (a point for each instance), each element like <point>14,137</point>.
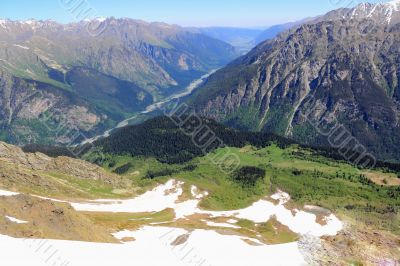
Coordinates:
<point>241,38</point>
<point>246,39</point>
<point>88,82</point>
<point>347,61</point>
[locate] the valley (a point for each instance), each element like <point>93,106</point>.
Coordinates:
<point>53,73</point>
<point>230,134</point>
<point>153,107</point>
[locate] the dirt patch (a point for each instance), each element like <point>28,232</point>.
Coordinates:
<point>50,220</point>
<point>362,245</point>
<point>251,242</point>
<point>186,194</point>
<point>383,179</point>
<point>129,221</point>
<point>320,213</point>
<point>321,219</point>
<point>172,190</point>
<point>180,240</point>
<point>128,239</point>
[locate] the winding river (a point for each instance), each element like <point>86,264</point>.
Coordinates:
<point>188,90</point>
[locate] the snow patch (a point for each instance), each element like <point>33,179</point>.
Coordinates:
<point>160,198</point>
<point>15,220</point>
<point>283,197</point>
<point>197,194</point>
<point>21,46</point>
<point>3,23</point>
<point>166,196</point>
<point>7,193</point>
<point>213,224</point>
<point>101,19</point>
<point>225,250</point>
<point>159,239</point>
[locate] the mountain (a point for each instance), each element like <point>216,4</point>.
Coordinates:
<point>275,30</point>
<point>241,38</point>
<point>347,62</point>
<point>244,39</point>
<point>91,80</point>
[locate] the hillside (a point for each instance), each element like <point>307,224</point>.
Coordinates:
<point>280,193</point>
<point>161,138</point>
<point>60,71</point>
<point>346,61</point>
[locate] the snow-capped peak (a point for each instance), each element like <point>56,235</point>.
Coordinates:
<point>29,21</point>
<point>3,23</point>
<point>383,12</point>
<point>395,5</point>
<point>99,19</point>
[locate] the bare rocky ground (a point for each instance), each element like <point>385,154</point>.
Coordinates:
<point>36,173</point>
<point>354,245</point>
<point>48,219</point>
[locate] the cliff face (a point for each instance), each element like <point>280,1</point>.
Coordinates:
<point>346,63</point>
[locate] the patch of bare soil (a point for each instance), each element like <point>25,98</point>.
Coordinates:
<point>364,246</point>
<point>383,179</point>
<point>319,212</point>
<point>180,240</point>
<point>128,239</point>
<point>251,242</point>
<point>49,220</point>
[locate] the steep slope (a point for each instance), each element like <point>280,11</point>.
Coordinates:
<point>106,77</point>
<point>346,61</point>
<point>165,140</point>
<point>65,177</point>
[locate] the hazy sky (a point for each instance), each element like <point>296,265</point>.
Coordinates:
<point>243,13</point>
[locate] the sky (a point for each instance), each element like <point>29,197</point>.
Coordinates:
<point>199,13</point>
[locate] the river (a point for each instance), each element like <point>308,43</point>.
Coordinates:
<point>188,90</point>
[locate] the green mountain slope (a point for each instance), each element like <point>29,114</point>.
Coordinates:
<point>114,74</point>
<point>348,65</point>
<point>366,200</point>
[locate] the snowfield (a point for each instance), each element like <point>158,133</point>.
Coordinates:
<point>155,245</point>
<point>152,247</point>
<point>166,196</point>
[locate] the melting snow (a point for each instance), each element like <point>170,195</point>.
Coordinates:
<point>196,194</point>
<point>222,225</point>
<point>166,196</point>
<point>21,46</point>
<point>160,198</point>
<point>225,249</point>
<point>15,220</point>
<point>152,247</point>
<point>7,193</point>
